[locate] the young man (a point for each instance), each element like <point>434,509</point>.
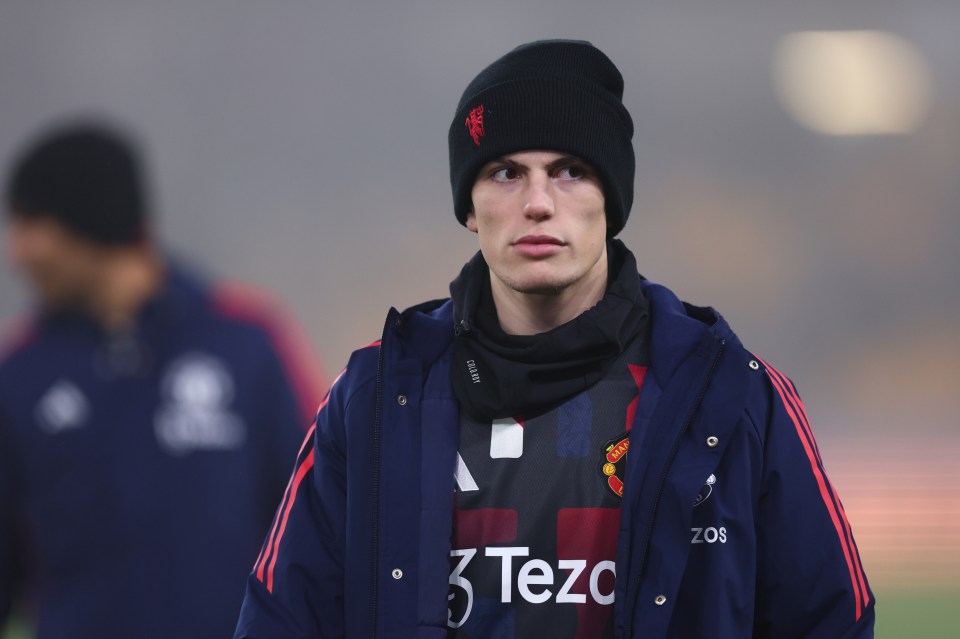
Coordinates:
<point>563,449</point>
<point>146,419</point>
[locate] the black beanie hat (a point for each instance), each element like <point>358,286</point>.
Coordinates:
<point>85,176</point>
<point>558,95</point>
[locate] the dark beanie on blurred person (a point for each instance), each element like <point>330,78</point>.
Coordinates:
<point>558,95</point>
<point>85,176</point>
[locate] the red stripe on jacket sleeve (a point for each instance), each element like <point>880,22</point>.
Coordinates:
<point>326,398</point>
<point>801,411</point>
<point>270,548</point>
<point>797,413</point>
<point>297,480</point>
<point>270,544</point>
<point>287,338</point>
<point>805,420</point>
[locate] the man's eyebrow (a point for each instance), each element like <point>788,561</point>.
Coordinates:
<point>565,159</point>
<point>505,161</point>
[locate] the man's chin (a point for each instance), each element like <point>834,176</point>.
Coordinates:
<point>546,286</point>
<point>537,280</point>
<point>548,291</point>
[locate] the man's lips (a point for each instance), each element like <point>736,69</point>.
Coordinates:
<point>538,239</point>
<point>538,245</point>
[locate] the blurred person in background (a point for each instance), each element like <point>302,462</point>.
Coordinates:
<point>147,418</point>
<point>563,449</point>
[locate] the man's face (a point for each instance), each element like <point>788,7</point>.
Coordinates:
<point>59,266</point>
<point>540,219</point>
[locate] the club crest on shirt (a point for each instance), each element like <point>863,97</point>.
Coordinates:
<point>195,415</point>
<point>613,463</point>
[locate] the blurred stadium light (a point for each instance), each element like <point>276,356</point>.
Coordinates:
<point>852,82</point>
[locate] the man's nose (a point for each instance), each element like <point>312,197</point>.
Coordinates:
<point>539,203</point>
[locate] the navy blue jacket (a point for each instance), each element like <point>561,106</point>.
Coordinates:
<point>139,474</point>
<point>361,542</point>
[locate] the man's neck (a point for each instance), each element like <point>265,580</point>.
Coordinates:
<point>534,313</point>
<point>129,278</point>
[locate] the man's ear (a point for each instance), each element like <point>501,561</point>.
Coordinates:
<point>472,222</point>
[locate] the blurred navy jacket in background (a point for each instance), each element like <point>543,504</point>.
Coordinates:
<point>139,472</point>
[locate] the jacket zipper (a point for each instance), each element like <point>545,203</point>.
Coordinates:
<point>663,478</point>
<point>375,506</point>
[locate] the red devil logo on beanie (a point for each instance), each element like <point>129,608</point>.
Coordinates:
<point>475,124</point>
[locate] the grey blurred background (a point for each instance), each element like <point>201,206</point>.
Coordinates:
<point>301,146</point>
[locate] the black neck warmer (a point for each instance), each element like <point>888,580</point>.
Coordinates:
<point>496,375</point>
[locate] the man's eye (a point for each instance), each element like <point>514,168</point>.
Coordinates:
<point>572,172</point>
<point>506,174</point>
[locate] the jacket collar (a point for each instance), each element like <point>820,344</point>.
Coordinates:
<point>424,331</point>
<point>678,328</point>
